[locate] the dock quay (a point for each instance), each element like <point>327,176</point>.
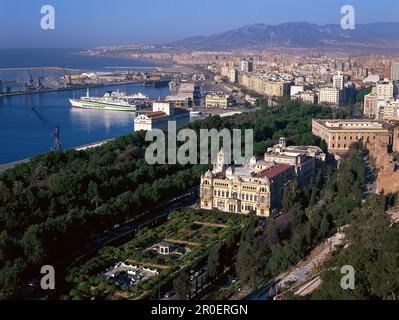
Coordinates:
<point>16,93</point>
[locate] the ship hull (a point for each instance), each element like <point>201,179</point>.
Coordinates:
<point>99,106</point>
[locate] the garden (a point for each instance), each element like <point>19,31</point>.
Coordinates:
<point>189,232</point>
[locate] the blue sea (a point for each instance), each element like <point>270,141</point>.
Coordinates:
<point>23,135</point>
<point>63,58</point>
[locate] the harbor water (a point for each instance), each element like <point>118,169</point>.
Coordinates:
<point>23,135</point>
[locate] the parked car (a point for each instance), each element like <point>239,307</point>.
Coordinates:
<point>169,294</point>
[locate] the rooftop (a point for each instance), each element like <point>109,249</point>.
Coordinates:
<point>358,124</point>
<point>156,114</point>
<point>273,172</point>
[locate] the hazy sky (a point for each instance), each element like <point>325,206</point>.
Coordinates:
<point>87,23</point>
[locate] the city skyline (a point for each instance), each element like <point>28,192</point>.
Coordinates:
<point>122,22</point>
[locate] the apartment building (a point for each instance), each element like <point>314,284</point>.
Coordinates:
<point>274,88</point>
<point>331,96</point>
<point>247,65</point>
<point>391,111</point>
<point>307,97</point>
<point>384,90</point>
<point>338,81</point>
<point>233,75</point>
<point>218,100</point>
<point>295,89</point>
<point>395,71</point>
<point>370,105</point>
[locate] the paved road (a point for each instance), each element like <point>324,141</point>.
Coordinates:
<point>301,274</point>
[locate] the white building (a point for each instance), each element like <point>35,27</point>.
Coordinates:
<point>307,97</point>
<point>338,81</point>
<point>331,95</point>
<point>247,65</point>
<point>372,78</point>
<point>395,72</point>
<point>296,89</point>
<point>233,75</point>
<point>162,112</point>
<point>391,110</point>
<point>218,100</point>
<point>384,90</point>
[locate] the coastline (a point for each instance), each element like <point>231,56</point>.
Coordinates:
<point>4,167</point>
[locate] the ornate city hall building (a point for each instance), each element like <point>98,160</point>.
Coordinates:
<point>258,185</point>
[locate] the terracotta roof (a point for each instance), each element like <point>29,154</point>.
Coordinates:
<point>274,171</point>
<point>156,114</point>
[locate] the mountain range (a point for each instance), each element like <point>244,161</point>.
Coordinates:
<point>297,35</point>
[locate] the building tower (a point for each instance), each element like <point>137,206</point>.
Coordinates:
<point>283,142</point>
<point>338,81</point>
<point>220,165</point>
<point>395,72</point>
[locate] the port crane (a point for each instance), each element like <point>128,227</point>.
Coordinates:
<point>55,130</point>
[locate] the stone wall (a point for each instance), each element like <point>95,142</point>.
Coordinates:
<point>388,177</point>
<point>396,139</point>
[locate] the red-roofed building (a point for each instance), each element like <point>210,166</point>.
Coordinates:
<point>162,112</point>
<point>258,185</point>
<point>240,192</point>
<point>274,171</point>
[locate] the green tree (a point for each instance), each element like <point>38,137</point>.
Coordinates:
<point>182,285</point>
<point>213,266</point>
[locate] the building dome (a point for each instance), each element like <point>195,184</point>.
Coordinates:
<point>209,174</point>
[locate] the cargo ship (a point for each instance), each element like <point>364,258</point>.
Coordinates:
<point>115,101</point>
